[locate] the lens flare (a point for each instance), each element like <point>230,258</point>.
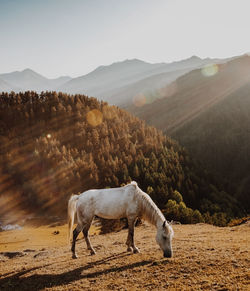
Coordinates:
<point>139,100</point>
<point>48,135</point>
<point>209,70</point>
<point>94,117</point>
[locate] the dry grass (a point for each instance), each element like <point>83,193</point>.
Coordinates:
<point>205,258</point>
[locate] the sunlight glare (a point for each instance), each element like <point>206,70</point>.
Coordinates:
<point>210,70</point>
<point>94,117</point>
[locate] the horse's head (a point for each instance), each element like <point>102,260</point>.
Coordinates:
<point>164,239</point>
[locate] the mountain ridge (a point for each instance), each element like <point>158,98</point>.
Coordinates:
<point>111,79</point>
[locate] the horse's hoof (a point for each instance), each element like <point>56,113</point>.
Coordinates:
<point>136,251</point>
<point>129,249</point>
<point>92,252</point>
<point>74,256</point>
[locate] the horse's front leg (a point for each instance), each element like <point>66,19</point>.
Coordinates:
<point>128,243</point>
<point>130,239</point>
<point>86,236</point>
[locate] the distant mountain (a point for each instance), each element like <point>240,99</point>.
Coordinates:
<point>30,80</point>
<point>192,94</point>
<point>208,112</point>
<point>120,82</point>
<point>26,80</point>
<point>107,78</point>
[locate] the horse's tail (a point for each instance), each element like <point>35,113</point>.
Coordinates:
<point>71,214</point>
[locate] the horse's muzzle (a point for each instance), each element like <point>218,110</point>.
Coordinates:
<point>167,254</point>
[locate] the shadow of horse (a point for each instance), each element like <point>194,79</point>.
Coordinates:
<point>41,281</point>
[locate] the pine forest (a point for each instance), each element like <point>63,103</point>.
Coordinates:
<point>53,145</point>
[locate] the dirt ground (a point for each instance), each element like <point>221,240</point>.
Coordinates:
<point>205,258</point>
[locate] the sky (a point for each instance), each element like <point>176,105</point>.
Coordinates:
<point>73,37</point>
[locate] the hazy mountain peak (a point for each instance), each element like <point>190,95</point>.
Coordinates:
<point>126,62</point>
<point>27,70</point>
<point>194,58</point>
<point>28,73</point>
<point>130,61</point>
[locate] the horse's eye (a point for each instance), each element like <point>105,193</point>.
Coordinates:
<point>164,237</point>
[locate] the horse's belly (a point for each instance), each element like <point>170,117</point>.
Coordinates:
<point>110,213</point>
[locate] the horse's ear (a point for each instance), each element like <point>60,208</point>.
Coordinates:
<point>164,224</point>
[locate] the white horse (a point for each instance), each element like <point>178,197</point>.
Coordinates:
<point>128,201</point>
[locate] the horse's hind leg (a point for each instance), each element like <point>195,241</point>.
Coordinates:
<point>130,239</point>
<point>76,232</point>
<point>128,242</point>
<point>86,236</point>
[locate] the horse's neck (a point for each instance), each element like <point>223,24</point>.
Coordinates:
<point>150,211</point>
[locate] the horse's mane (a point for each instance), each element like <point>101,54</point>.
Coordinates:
<point>148,208</point>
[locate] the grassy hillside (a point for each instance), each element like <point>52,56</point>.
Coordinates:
<point>53,145</point>
<point>220,139</point>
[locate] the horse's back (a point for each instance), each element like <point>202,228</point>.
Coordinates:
<point>108,203</point>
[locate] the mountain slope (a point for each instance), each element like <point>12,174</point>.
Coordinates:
<point>220,139</point>
<point>209,115</point>
<point>53,145</point>
<point>57,82</point>
<point>6,87</point>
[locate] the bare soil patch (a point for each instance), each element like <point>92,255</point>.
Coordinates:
<point>205,258</point>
